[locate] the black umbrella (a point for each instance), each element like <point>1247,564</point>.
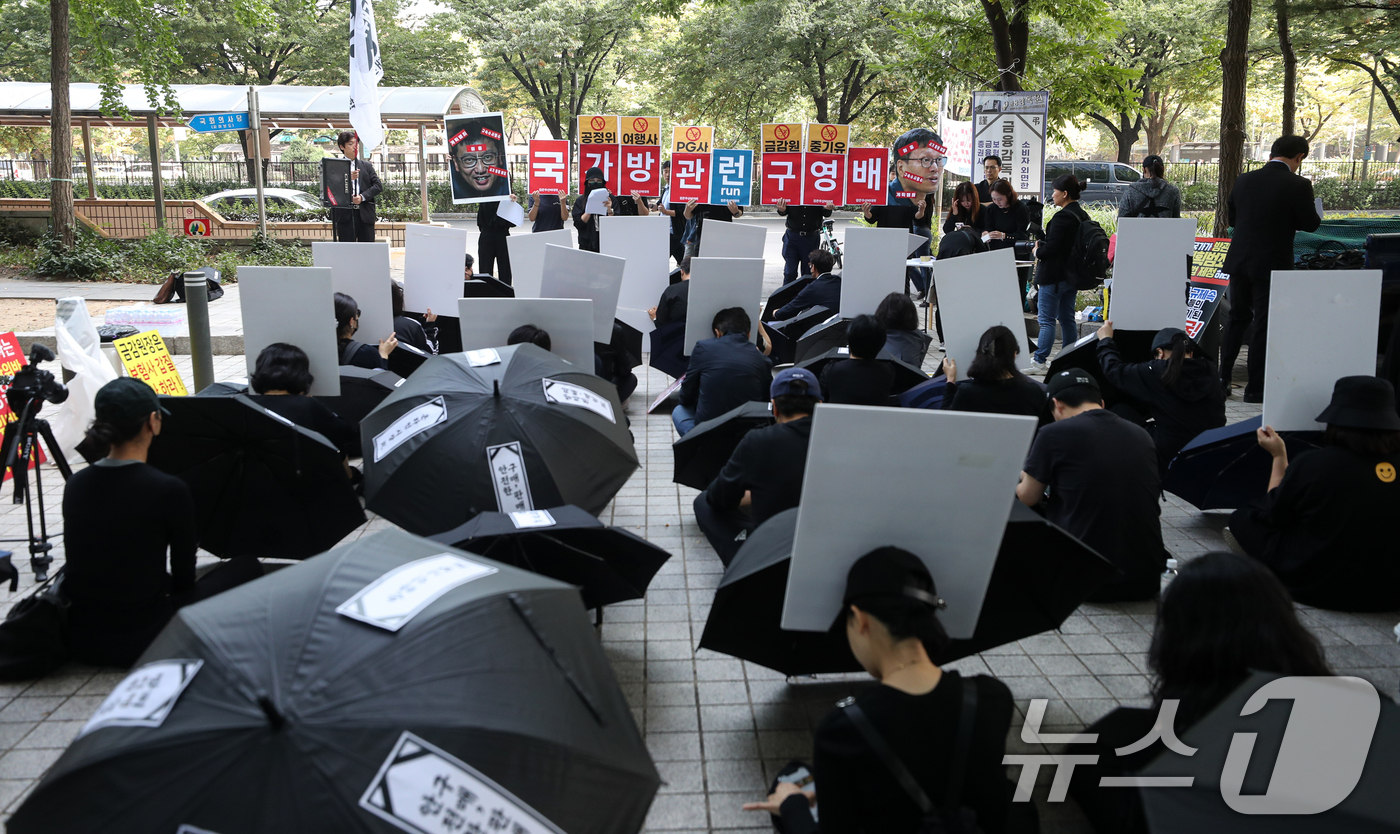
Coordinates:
<point>788,333</point>
<point>493,696</point>
<point>906,376</point>
<point>1333,729</point>
<point>1041,576</point>
<point>223,389</point>
<point>1225,468</point>
<point>486,286</point>
<point>702,453</point>
<point>783,295</point>
<point>627,339</point>
<point>361,391</point>
<point>262,486</point>
<point>608,564</point>
<point>1133,346</point>
<point>667,349</point>
<point>405,359</point>
<point>822,339</point>
<point>528,431</point>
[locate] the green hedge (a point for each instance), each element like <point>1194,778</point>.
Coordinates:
<point>150,259</point>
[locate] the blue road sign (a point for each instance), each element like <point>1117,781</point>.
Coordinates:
<point>211,122</point>
<point>730,180</point>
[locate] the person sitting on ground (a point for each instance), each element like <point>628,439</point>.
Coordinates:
<point>1151,196</point>
<point>115,581</point>
<point>864,379</point>
<point>1327,526</point>
<point>903,339</point>
<point>675,299</point>
<point>919,710</point>
<point>1222,618</point>
<point>763,476</point>
<point>1104,485</point>
<point>724,372</point>
<point>531,335</point>
<point>409,330</point>
<point>994,384</point>
<point>469,268</point>
<point>966,211</point>
<point>1180,386</point>
<point>281,382</point>
<point>359,354</point>
<point>824,290</point>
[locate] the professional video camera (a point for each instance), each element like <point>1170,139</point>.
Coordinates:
<point>31,382</point>
<point>29,390</point>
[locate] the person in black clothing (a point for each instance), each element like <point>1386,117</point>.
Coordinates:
<point>491,247</point>
<point>675,211</point>
<point>825,290</point>
<point>675,299</point>
<point>1222,618</point>
<point>763,476</point>
<point>696,213</point>
<point>531,335</point>
<point>1267,207</point>
<point>966,211</point>
<point>802,233</point>
<point>900,319</point>
<point>1104,482</point>
<point>724,372</point>
<point>115,581</point>
<point>1056,294</point>
<point>994,384</point>
<point>359,354</point>
<point>622,205</point>
<point>355,223</point>
<point>890,613</point>
<point>1180,387</point>
<point>1328,526</point>
<point>991,168</point>
<point>422,335</point>
<point>281,382</point>
<point>546,212</point>
<point>919,158</point>
<point>585,223</point>
<point>1007,220</point>
<point>864,379</point>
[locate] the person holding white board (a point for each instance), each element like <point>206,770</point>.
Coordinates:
<point>359,354</point>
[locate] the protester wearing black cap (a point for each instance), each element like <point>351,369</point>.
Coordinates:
<point>585,223</point>
<point>764,474</point>
<point>1151,196</point>
<point>864,379</point>
<point>1104,484</point>
<point>946,732</point>
<point>1328,527</point>
<point>724,372</point>
<point>1180,387</point>
<point>120,595</point>
<point>825,289</point>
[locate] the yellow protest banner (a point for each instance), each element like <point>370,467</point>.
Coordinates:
<point>782,138</point>
<point>641,130</point>
<point>828,138</point>
<point>597,130</point>
<point>146,359</point>
<point>692,139</point>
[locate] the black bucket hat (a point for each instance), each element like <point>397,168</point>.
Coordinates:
<point>1362,402</point>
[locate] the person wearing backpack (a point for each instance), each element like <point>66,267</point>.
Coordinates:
<point>1151,196</point>
<point>1056,274</point>
<point>921,752</point>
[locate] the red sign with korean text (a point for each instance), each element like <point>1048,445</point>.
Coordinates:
<point>823,179</point>
<point>690,177</point>
<point>11,360</point>
<point>781,175</point>
<point>641,170</point>
<point>549,166</point>
<point>604,157</point>
<point>868,171</point>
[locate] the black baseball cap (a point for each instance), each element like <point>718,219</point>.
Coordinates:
<point>1164,337</point>
<point>890,571</point>
<point>126,400</point>
<point>1070,379</point>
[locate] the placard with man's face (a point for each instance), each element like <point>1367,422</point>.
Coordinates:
<point>919,158</point>
<point>476,149</point>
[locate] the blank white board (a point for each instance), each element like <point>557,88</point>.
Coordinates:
<point>293,304</point>
<point>576,273</point>
<point>873,268</point>
<point>976,292</point>
<point>732,240</point>
<point>718,284</point>
<point>527,259</point>
<point>645,244</point>
<point>487,322</point>
<point>434,258</point>
<point>361,271</point>
<point>1149,272</point>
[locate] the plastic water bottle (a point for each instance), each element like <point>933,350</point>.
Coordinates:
<point>1167,576</point>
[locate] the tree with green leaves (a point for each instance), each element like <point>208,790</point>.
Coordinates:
<point>1359,34</point>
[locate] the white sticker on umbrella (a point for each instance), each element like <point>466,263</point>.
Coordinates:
<point>532,518</point>
<point>278,417</point>
<point>190,829</point>
<point>145,697</point>
<point>413,422</point>
<point>423,789</point>
<point>396,597</point>
<point>566,394</point>
<point>483,357</point>
<point>508,476</point>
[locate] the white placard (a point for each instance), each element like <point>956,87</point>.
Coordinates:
<point>527,259</point>
<point>576,395</point>
<point>976,292</point>
<point>434,261</point>
<point>482,358</point>
<point>594,202</point>
<point>1336,314</point>
<point>1149,272</point>
<point>508,476</point>
<point>145,697</point>
<point>361,271</point>
<point>719,239</point>
<point>488,322</point>
<point>862,492</point>
<point>530,519</point>
<point>395,598</point>
<point>914,242</point>
<point>874,268</point>
<point>718,284</point>
<point>292,304</point>
<point>577,273</point>
<point>511,212</point>
<point>423,789</point>
<point>414,422</point>
<point>645,244</point>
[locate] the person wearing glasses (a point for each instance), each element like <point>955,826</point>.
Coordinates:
<point>919,159</point>
<point>478,164</point>
<point>355,223</point>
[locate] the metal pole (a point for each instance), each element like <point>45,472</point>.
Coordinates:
<point>255,129</point>
<point>154,136</point>
<point>423,168</point>
<point>87,156</point>
<point>201,345</point>
<point>1370,117</point>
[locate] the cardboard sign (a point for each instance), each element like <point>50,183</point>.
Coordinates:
<point>781,138</point>
<point>958,135</point>
<point>597,130</point>
<point>361,271</point>
<point>395,598</point>
<point>1149,272</point>
<point>732,177</point>
<point>476,148</point>
<point>641,170</point>
<point>146,359</point>
<point>691,139</point>
<point>602,157</point>
<point>548,166</point>
<point>433,262</point>
<point>874,268</point>
<point>868,173</point>
<point>1208,283</point>
<point>823,178</point>
<point>293,304</point>
<point>976,292</point>
<point>828,139</point>
<point>718,284</point>
<point>690,177</point>
<point>639,130</point>
<point>781,178</point>
<point>487,323</point>
<point>577,273</point>
<point>527,259</point>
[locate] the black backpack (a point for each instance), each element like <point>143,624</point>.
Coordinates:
<point>1087,264</point>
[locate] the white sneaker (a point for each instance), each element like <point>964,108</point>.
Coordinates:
<point>1036,368</point>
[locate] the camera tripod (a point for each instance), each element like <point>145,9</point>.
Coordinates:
<point>19,448</point>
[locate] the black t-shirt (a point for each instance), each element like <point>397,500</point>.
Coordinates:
<point>1104,489</point>
<point>805,218</point>
<point>675,300</point>
<point>547,219</point>
<point>769,462</point>
<point>1013,395</point>
<point>858,382</point>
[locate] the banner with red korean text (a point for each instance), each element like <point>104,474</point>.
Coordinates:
<point>780,167</point>
<point>549,166</point>
<point>866,179</point>
<point>640,155</point>
<point>824,164</point>
<point>691,163</point>
<point>598,147</point>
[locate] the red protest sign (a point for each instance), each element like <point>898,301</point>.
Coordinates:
<point>690,177</point>
<point>823,179</point>
<point>781,178</point>
<point>549,166</point>
<point>865,184</point>
<point>11,360</point>
<point>641,169</point>
<point>603,157</point>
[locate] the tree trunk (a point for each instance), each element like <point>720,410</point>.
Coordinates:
<point>1233,64</point>
<point>1290,66</point>
<point>61,130</point>
<point>1010,37</point>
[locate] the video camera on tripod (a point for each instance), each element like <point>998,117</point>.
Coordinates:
<point>30,388</point>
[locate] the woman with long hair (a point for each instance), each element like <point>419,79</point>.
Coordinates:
<point>900,319</point>
<point>995,385</point>
<point>965,210</point>
<point>359,354</point>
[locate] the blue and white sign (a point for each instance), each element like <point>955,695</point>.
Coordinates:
<point>732,177</point>
<point>212,122</point>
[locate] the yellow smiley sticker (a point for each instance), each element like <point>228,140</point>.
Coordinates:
<point>1385,471</point>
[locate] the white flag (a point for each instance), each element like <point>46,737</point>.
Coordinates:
<point>366,70</point>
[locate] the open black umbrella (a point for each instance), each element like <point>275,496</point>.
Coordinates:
<point>906,376</point>
<point>608,564</point>
<point>820,340</point>
<point>783,295</point>
<point>788,333</point>
<point>628,339</point>
<point>393,684</point>
<point>405,359</point>
<point>1133,346</point>
<point>528,431</point>
<point>223,389</point>
<point>1041,576</point>
<point>1224,468</point>
<point>486,286</point>
<point>667,346</point>
<point>705,449</point>
<point>361,391</point>
<point>262,486</point>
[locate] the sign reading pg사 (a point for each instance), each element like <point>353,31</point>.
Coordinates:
<point>393,599</point>
<point>145,697</point>
<point>146,359</point>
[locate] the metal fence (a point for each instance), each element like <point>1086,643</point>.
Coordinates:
<point>1190,172</point>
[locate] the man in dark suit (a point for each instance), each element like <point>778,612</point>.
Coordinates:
<point>1267,207</point>
<point>991,168</point>
<point>764,475</point>
<point>724,372</point>
<point>355,223</point>
<point>825,290</point>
